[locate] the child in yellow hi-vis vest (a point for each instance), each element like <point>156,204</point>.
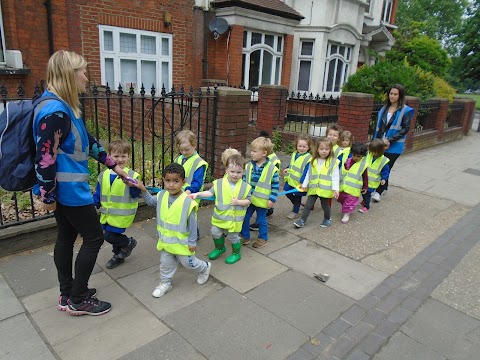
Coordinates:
<point>118,204</point>
<point>176,227</point>
<point>232,197</point>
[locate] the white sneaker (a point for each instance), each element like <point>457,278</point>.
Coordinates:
<point>161,290</point>
<point>345,218</point>
<point>376,196</point>
<point>202,277</point>
<point>292,215</point>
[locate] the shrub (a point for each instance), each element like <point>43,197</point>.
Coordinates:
<point>443,89</point>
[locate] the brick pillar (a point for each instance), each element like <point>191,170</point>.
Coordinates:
<point>272,107</point>
<point>355,113</point>
<point>441,116</point>
<point>468,113</point>
<point>232,124</point>
<point>414,103</point>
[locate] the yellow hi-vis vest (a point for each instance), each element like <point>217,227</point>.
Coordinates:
<point>337,150</point>
<point>274,160</point>
<point>191,165</point>
<point>118,208</point>
<point>296,169</point>
<point>352,183</point>
<point>262,191</point>
<point>172,223</point>
<point>320,182</point>
<point>346,153</point>
<point>374,170</point>
<point>227,216</point>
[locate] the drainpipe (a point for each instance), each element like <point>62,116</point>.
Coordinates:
<point>48,5</point>
<point>206,32</point>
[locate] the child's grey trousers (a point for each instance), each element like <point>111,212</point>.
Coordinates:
<point>169,263</point>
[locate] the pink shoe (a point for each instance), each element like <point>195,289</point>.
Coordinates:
<point>363,210</point>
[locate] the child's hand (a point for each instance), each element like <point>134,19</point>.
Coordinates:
<point>271,204</point>
<point>336,194</point>
<point>234,201</point>
<point>364,191</point>
<point>138,185</point>
<point>383,182</point>
<point>192,196</point>
<point>285,171</point>
<point>192,248</point>
<point>188,192</point>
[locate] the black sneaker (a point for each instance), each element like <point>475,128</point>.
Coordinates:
<point>113,262</point>
<point>63,299</point>
<point>89,306</point>
<point>254,227</point>
<point>126,251</point>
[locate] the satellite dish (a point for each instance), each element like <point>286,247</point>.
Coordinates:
<point>218,26</point>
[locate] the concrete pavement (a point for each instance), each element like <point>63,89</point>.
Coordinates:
<point>404,284</point>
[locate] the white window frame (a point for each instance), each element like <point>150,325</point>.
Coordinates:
<point>137,56</point>
<point>305,58</point>
<point>2,40</point>
<point>387,11</point>
<point>337,59</point>
<point>249,49</point>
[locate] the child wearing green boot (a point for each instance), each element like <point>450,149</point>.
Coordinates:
<point>232,197</point>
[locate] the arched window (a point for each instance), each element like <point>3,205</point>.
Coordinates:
<point>337,64</point>
<point>261,59</point>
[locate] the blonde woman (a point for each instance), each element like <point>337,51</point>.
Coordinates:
<point>63,146</point>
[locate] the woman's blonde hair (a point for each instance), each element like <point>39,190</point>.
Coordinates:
<point>61,77</point>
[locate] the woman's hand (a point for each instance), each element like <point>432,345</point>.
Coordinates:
<point>387,143</point>
<point>120,172</point>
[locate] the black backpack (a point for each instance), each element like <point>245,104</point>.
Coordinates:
<point>17,146</point>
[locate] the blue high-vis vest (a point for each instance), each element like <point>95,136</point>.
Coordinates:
<point>72,158</point>
<point>397,146</point>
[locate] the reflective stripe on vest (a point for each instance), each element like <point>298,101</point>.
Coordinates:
<point>352,182</point>
<point>337,150</point>
<point>225,215</point>
<point>321,180</point>
<point>274,159</point>
<point>263,189</point>
<point>191,165</point>
<point>374,171</point>
<point>345,153</point>
<point>172,223</point>
<point>118,207</point>
<point>296,169</point>
<point>395,127</point>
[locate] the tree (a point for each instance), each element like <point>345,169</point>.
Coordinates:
<point>437,19</point>
<point>470,50</point>
<point>419,49</point>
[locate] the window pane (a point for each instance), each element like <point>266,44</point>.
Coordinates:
<point>149,74</point>
<point>256,39</point>
<point>128,73</point>
<point>339,75</point>
<point>254,73</point>
<point>304,76</point>
<point>307,48</point>
<point>342,50</point>
<point>331,74</point>
<point>107,41</point>
<point>348,53</point>
<point>166,76</point>
<point>244,58</point>
<point>277,71</point>
<point>267,68</point>
<point>148,45</point>
<point>245,34</point>
<point>165,47</point>
<point>128,43</point>
<point>109,74</point>
<point>269,40</point>
<point>279,44</point>
<point>334,49</point>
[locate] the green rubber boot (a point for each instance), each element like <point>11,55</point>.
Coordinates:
<point>219,248</point>
<point>232,259</point>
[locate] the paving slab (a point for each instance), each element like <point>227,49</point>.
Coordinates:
<point>347,276</point>
<point>401,347</point>
<point>115,337</point>
<point>445,330</point>
<point>19,340</point>
<point>185,290</point>
<point>315,307</point>
<point>461,289</point>
<point>170,346</point>
<point>252,270</point>
<point>32,271</point>
<point>230,326</point>
<point>10,305</point>
<point>144,255</point>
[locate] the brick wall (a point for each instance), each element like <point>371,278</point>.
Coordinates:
<point>272,107</point>
<point>354,114</point>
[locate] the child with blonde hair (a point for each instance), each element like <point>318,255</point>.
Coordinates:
<point>262,175</point>
<point>232,197</point>
<point>322,181</point>
<point>227,153</point>
<point>296,171</point>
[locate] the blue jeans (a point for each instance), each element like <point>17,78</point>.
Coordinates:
<point>261,220</point>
